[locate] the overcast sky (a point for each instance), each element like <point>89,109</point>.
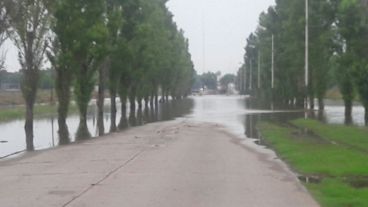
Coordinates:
<point>217,30</point>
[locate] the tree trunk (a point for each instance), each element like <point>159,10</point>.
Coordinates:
<point>156,99</point>
<point>132,118</point>
<point>132,103</point>
<point>163,96</point>
<point>366,114</point>
<point>300,102</point>
<point>83,132</point>
<point>113,110</point>
<point>29,126</point>
<point>123,119</point>
<point>29,91</point>
<point>63,82</point>
<point>146,101</point>
<point>139,119</point>
<point>152,99</point>
<point>321,104</point>
<point>132,99</point>
<point>140,104</point>
<point>311,102</point>
<point>348,110</point>
<point>101,101</point>
<point>167,97</point>
<point>63,132</point>
<point>62,115</point>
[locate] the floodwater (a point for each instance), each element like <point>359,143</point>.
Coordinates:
<point>231,111</point>
<point>13,141</point>
<point>241,117</point>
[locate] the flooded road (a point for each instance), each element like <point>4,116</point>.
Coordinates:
<point>239,116</point>
<point>231,111</point>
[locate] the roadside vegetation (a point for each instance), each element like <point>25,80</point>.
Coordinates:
<point>132,50</point>
<point>333,159</point>
<point>276,55</point>
<point>12,113</point>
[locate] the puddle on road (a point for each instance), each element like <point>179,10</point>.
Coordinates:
<point>358,182</point>
<point>310,179</point>
<point>355,182</point>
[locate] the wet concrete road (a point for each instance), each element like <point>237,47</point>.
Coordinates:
<point>177,163</point>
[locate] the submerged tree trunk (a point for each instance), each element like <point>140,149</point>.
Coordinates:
<point>132,118</point>
<point>29,91</point>
<point>29,127</point>
<point>163,96</point>
<point>101,101</point>
<point>300,102</point>
<point>63,82</point>
<point>167,97</point>
<point>113,110</point>
<point>321,104</point>
<point>123,119</point>
<point>123,95</point>
<point>140,104</point>
<point>366,114</point>
<point>311,102</point>
<point>63,132</point>
<point>156,99</point>
<point>83,132</point>
<point>132,97</point>
<point>83,91</point>
<point>146,101</point>
<point>152,99</point>
<point>348,111</point>
<point>139,119</point>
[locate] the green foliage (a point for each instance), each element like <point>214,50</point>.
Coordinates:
<point>209,80</point>
<point>136,40</point>
<point>226,80</point>
<point>337,154</point>
<point>337,50</point>
<point>336,193</point>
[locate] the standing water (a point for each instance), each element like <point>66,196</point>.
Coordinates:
<point>231,111</point>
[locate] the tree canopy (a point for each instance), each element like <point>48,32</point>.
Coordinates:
<point>337,49</point>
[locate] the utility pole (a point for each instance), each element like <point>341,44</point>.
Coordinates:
<point>259,69</point>
<point>203,40</point>
<point>273,63</point>
<point>306,51</point>
<point>244,71</point>
<point>251,74</point>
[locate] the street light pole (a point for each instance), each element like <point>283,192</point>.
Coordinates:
<point>306,51</point>
<point>251,74</point>
<point>245,79</point>
<point>259,69</point>
<point>273,63</point>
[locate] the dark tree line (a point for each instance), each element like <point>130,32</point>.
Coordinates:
<point>274,61</point>
<point>130,48</point>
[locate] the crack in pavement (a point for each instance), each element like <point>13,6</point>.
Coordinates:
<point>104,178</point>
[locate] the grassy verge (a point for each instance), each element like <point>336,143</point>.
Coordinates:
<point>336,155</point>
<point>18,112</point>
<point>16,97</point>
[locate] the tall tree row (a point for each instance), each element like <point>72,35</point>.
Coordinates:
<point>130,50</point>
<point>274,61</point>
<point>3,32</point>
